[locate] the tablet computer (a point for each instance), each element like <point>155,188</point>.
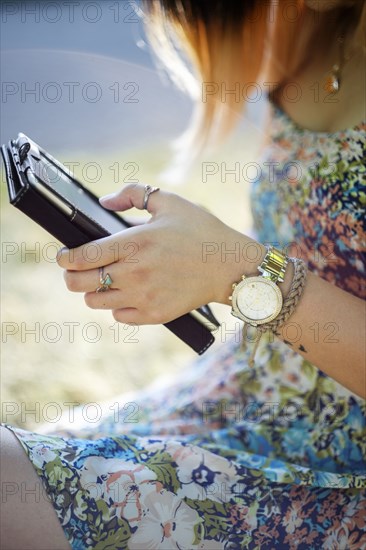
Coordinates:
<point>46,191</point>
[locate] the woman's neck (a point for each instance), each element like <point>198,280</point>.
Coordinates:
<point>304,97</point>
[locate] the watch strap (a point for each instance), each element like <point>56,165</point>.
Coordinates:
<point>274,265</point>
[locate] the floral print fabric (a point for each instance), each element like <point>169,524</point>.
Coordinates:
<point>229,457</point>
<point>313,195</point>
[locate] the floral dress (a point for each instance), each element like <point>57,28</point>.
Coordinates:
<point>229,457</point>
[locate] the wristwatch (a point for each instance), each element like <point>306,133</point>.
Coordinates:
<point>258,300</point>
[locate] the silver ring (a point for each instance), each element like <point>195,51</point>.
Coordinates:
<point>105,281</point>
<point>148,190</point>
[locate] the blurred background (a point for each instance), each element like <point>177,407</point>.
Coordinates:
<point>79,79</point>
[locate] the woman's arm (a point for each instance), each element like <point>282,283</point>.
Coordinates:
<point>333,332</point>
<point>327,328</point>
<point>184,257</point>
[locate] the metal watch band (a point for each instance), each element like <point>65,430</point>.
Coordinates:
<point>274,265</point>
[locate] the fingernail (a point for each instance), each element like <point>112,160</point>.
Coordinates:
<point>61,253</point>
<point>107,197</point>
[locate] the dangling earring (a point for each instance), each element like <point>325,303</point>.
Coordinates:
<point>333,80</point>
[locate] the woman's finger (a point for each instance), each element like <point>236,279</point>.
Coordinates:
<point>131,316</point>
<point>123,246</point>
<point>133,195</point>
<point>110,299</point>
<point>89,281</point>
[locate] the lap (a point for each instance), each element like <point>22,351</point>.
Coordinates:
<point>184,492</point>
<point>187,466</point>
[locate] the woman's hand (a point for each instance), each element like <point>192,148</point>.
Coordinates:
<point>182,258</point>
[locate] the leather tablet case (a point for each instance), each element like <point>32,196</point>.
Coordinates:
<point>193,328</point>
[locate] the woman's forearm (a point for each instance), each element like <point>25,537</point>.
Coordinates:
<point>327,328</point>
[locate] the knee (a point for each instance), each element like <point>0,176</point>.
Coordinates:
<point>27,518</point>
<point>13,483</point>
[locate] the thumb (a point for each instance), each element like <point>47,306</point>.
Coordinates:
<point>133,195</point>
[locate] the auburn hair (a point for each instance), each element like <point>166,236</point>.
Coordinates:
<point>215,46</point>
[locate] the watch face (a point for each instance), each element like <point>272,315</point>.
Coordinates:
<point>257,299</point>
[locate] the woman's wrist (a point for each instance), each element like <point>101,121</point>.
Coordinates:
<point>252,254</point>
<point>237,259</point>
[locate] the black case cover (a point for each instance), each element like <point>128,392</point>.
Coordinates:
<point>80,230</point>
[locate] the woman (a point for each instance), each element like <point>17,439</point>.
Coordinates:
<point>231,456</point>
